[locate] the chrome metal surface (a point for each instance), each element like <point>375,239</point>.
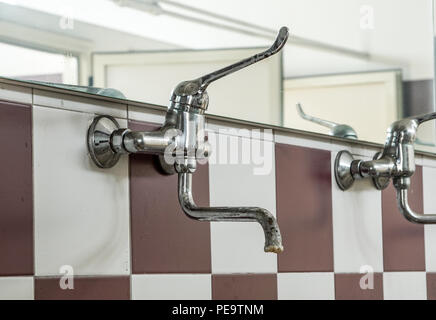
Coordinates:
<point>180,142</point>
<point>380,182</point>
<point>273,239</point>
<point>408,213</point>
<point>343,175</point>
<point>193,94</point>
<point>336,129</point>
<point>99,141</point>
<point>396,161</point>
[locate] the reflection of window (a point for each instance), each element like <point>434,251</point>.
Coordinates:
<point>30,64</point>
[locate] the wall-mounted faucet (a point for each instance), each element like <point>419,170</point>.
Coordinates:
<point>396,161</point>
<point>180,143</point>
<point>336,129</point>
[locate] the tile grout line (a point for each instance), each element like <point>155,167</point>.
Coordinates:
<point>33,194</point>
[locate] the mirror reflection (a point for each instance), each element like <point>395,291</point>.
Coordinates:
<point>349,69</point>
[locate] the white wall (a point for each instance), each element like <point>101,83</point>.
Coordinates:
<point>402,34</point>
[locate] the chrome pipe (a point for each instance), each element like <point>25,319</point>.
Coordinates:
<point>273,238</point>
<point>151,142</point>
<point>409,214</point>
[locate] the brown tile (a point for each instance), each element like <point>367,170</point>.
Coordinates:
<point>244,287</point>
<point>347,287</point>
<point>403,241</point>
<point>16,190</point>
<point>164,239</point>
<point>85,288</point>
<point>431,286</point>
<point>304,208</point>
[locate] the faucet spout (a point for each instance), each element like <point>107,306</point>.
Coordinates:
<point>273,239</point>
<point>409,214</point>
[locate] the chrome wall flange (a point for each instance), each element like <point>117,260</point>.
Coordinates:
<point>343,175</point>
<point>348,169</point>
<point>99,141</point>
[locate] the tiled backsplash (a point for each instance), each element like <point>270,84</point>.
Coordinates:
<point>122,231</point>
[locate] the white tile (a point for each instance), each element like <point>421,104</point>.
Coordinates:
<point>404,286</point>
<point>419,160</point>
<point>429,190</point>
<point>428,161</point>
<point>302,141</point>
<point>147,115</point>
<point>76,103</point>
<point>15,93</point>
<point>237,247</point>
<point>171,287</point>
<point>16,288</point>
<point>306,286</point>
<point>81,211</point>
<point>357,150</point>
<point>357,226</point>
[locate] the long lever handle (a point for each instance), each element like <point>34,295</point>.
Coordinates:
<point>336,129</point>
<point>424,117</point>
<point>322,122</point>
<point>278,44</point>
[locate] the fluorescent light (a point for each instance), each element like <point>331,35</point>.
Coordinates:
<point>149,6</point>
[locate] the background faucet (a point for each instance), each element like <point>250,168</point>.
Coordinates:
<point>180,142</point>
<point>396,161</point>
<point>336,129</point>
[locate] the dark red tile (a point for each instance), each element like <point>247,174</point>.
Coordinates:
<point>85,288</point>
<point>403,241</point>
<point>431,286</point>
<point>347,287</point>
<point>304,208</point>
<point>164,239</point>
<point>16,190</point>
<point>244,287</point>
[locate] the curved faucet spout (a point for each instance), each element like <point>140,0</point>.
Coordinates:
<point>409,214</point>
<point>273,239</point>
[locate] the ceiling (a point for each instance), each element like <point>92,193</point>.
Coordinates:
<point>401,37</point>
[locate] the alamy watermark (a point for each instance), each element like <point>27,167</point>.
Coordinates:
<point>66,282</point>
<point>366,281</point>
<point>367,17</point>
<point>254,148</point>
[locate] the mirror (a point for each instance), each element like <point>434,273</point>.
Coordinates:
<point>350,68</point>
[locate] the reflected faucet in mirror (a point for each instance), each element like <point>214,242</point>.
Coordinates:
<point>180,143</point>
<point>336,129</point>
<point>396,161</point>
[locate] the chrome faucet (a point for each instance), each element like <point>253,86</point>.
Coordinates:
<point>396,161</point>
<point>180,142</point>
<point>336,129</point>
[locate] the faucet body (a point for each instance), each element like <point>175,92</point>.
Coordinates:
<point>180,142</point>
<point>396,162</point>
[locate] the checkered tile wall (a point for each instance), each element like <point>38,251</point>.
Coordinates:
<point>125,237</point>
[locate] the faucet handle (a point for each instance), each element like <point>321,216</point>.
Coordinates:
<point>278,44</point>
<point>424,117</point>
<point>193,93</point>
<point>336,129</point>
<point>406,128</point>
